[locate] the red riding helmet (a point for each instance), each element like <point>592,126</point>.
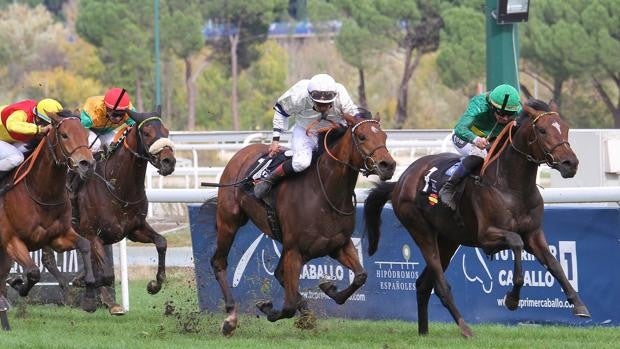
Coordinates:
<point>117,98</point>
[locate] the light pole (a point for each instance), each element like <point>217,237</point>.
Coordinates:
<point>157,55</point>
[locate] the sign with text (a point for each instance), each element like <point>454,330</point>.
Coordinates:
<point>584,239</point>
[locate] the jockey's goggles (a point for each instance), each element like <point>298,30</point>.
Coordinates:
<point>501,112</point>
<point>116,113</point>
<point>323,96</point>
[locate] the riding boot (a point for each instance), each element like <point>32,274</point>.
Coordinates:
<point>447,192</point>
<point>264,186</point>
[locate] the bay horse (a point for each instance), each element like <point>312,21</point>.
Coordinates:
<point>113,204</point>
<point>326,189</point>
<point>503,210</point>
<point>35,212</point>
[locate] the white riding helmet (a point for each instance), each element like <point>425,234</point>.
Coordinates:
<point>322,88</point>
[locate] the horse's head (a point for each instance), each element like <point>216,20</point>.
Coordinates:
<point>548,137</point>
<point>68,142</point>
<point>369,140</point>
<point>153,142</point>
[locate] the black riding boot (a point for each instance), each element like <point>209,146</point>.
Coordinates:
<point>264,186</point>
<point>465,167</point>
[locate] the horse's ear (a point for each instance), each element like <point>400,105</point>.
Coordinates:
<point>378,116</point>
<point>350,119</point>
<point>529,110</point>
<point>553,106</point>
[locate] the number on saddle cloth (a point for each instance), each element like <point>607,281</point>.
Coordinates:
<point>436,176</point>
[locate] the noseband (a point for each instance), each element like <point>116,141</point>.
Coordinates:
<point>549,159</point>
<point>370,165</point>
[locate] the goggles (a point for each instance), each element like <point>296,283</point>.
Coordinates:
<point>504,112</point>
<point>319,96</point>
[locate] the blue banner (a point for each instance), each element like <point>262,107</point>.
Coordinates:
<point>585,239</point>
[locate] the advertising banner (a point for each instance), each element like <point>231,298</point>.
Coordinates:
<point>585,240</point>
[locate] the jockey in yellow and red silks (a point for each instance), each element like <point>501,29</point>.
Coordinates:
<point>20,123</point>
<point>103,115</point>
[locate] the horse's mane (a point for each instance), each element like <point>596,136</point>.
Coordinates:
<point>535,104</point>
<point>66,113</point>
<point>333,134</point>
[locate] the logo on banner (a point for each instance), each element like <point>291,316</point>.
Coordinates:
<point>476,270</point>
<point>397,276</point>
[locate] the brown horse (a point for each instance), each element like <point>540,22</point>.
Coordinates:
<point>502,210</point>
<point>113,204</point>
<point>36,211</point>
<point>325,189</point>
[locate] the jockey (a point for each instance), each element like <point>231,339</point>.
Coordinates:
<point>22,122</point>
<point>316,103</point>
<point>485,117</point>
<point>102,115</point>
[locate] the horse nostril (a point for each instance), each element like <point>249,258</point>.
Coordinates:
<point>84,163</point>
<point>387,165</point>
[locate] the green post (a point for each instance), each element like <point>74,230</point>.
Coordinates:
<point>157,55</point>
<point>502,50</point>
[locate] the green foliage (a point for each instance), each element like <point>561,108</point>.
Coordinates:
<point>462,49</point>
<point>70,89</point>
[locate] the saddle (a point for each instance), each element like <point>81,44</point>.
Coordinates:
<point>263,166</point>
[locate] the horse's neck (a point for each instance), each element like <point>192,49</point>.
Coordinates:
<point>127,169</point>
<point>46,169</point>
<point>336,175</point>
<point>514,172</point>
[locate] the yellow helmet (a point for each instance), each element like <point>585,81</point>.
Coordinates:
<point>45,106</point>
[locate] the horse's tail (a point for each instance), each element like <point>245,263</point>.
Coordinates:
<point>377,197</point>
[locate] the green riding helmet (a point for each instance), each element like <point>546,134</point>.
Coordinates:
<point>505,97</point>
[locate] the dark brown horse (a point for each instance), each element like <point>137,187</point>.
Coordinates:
<point>36,211</point>
<point>503,211</point>
<point>113,204</point>
<point>314,209</point>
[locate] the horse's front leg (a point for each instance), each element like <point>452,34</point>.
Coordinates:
<point>146,234</point>
<point>514,242</point>
<point>292,263</point>
<point>49,261</point>
<point>347,255</point>
<point>18,251</point>
<point>537,245</point>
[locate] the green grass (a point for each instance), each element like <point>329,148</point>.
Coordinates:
<point>146,326</point>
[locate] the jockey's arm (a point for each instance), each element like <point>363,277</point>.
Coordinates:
<point>476,106</point>
<point>16,122</point>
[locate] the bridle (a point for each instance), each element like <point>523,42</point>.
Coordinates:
<point>369,168</point>
<point>549,159</point>
<point>370,165</point>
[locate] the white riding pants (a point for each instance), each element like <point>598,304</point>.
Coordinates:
<point>104,138</point>
<point>11,155</point>
<point>465,148</point>
<point>302,146</point>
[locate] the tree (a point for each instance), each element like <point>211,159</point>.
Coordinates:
<point>181,34</point>
<point>122,34</point>
<point>462,48</point>
<point>245,24</point>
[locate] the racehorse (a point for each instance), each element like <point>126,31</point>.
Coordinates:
<point>36,211</point>
<point>113,204</point>
<point>501,210</point>
<point>326,189</point>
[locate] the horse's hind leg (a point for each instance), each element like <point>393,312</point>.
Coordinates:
<point>424,284</point>
<point>537,245</point>
<point>292,262</point>
<point>147,234</point>
<point>5,268</point>
<point>18,251</point>
<point>348,257</point>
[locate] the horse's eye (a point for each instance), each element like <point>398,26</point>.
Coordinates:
<point>64,135</point>
<point>361,138</point>
<point>542,130</point>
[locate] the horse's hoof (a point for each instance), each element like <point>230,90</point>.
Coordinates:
<point>89,305</point>
<point>581,311</point>
<point>228,329</point>
<point>327,287</point>
<point>153,287</point>
<point>78,282</point>
<point>465,330</point>
<point>264,306</point>
<point>512,303</point>
<point>306,320</point>
<point>116,310</point>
